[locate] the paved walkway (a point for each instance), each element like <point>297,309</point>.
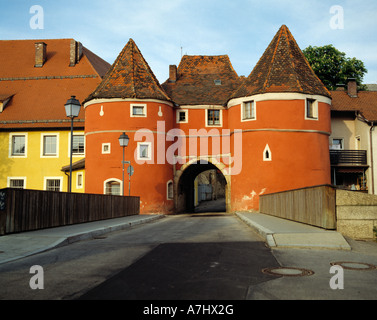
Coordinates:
<point>285,233</point>
<point>277,233</point>
<point>20,245</point>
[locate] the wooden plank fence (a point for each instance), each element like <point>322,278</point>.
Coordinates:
<point>314,205</point>
<point>25,210</point>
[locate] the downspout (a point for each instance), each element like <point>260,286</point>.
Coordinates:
<point>371,154</point>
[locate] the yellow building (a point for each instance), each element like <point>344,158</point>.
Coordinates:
<point>36,80</point>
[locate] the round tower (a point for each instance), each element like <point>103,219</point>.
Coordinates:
<point>283,110</point>
<point>130,100</point>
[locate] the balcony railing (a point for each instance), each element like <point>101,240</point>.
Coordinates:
<point>348,157</point>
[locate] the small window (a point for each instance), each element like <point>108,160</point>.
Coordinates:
<point>217,82</point>
<point>144,151</point>
<point>49,145</point>
<point>18,147</point>
<point>248,110</point>
<point>311,109</point>
<point>106,148</point>
<point>139,110</point>
<point>113,187</point>
<point>16,183</point>
<point>79,180</point>
<point>337,144</point>
<point>170,192</point>
<point>182,116</point>
<point>78,146</point>
<point>267,154</point>
<point>213,117</point>
<point>53,184</point>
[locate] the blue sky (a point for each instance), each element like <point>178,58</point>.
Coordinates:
<point>163,29</point>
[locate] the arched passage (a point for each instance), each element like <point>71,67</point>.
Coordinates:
<point>187,191</point>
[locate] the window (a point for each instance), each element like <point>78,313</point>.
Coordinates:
<point>267,154</point>
<point>53,184</point>
<point>248,110</point>
<point>311,109</point>
<point>49,145</point>
<point>337,144</point>
<point>213,117</point>
<point>169,191</point>
<point>78,146</point>
<point>79,180</point>
<point>112,187</point>
<point>106,148</point>
<point>139,110</point>
<point>182,116</point>
<point>217,82</point>
<point>16,183</point>
<point>18,145</point>
<point>144,151</point>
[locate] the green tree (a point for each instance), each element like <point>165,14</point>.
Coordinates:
<point>333,67</point>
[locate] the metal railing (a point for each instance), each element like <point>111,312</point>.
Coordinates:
<point>350,157</point>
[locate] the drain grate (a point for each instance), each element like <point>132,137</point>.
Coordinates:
<point>288,272</point>
<point>354,265</point>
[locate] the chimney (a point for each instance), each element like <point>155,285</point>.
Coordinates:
<point>40,54</point>
<point>352,88</point>
<point>75,52</point>
<point>340,87</point>
<point>172,73</point>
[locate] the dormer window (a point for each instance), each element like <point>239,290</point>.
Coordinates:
<point>217,82</point>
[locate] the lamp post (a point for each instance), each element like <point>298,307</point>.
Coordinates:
<point>72,110</point>
<point>123,142</point>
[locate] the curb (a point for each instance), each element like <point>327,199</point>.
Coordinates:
<point>264,232</point>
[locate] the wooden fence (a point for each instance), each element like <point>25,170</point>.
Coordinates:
<point>25,210</point>
<point>315,206</point>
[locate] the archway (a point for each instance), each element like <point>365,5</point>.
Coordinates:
<point>201,187</point>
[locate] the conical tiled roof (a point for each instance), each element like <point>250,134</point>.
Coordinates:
<point>130,77</point>
<point>282,68</point>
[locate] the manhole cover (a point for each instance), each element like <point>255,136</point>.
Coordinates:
<point>354,265</point>
<point>288,272</point>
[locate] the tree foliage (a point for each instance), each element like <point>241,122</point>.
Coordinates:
<point>333,67</point>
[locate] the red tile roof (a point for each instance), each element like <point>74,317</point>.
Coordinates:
<point>39,94</point>
<point>130,77</point>
<point>282,68</point>
<point>365,103</point>
<point>197,81</point>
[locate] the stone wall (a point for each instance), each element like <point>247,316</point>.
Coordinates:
<point>356,214</point>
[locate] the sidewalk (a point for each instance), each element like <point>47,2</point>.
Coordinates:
<point>280,232</point>
<point>20,245</point>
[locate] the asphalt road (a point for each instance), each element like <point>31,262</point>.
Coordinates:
<point>208,256</point>
<point>198,256</point>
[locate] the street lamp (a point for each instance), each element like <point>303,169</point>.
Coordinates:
<point>72,110</point>
<point>123,142</point>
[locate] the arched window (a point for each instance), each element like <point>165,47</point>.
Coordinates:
<point>112,187</point>
<point>267,154</point>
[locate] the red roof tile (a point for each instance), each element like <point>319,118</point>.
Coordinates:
<point>129,77</point>
<point>39,94</point>
<point>282,68</point>
<point>197,81</point>
<point>365,103</point>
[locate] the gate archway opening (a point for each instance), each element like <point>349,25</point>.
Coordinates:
<point>202,187</point>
